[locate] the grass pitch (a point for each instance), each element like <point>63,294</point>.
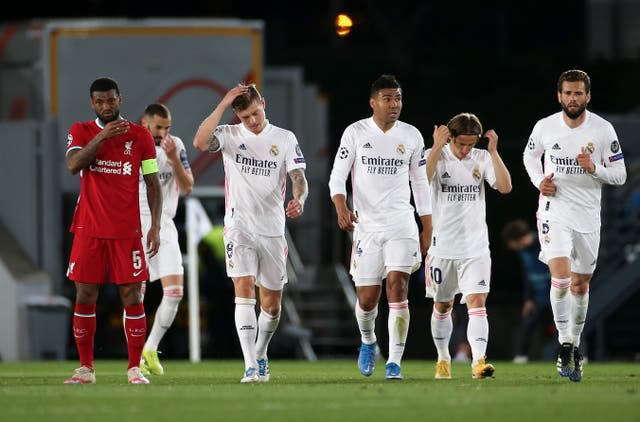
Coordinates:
<point>319,391</point>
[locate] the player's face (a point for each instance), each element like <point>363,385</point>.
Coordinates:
<point>106,105</point>
<point>461,145</point>
<point>387,105</point>
<point>573,98</point>
<point>158,126</point>
<point>253,117</point>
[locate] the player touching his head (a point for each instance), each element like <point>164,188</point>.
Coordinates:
<point>459,260</point>
<point>257,158</point>
<point>111,153</point>
<point>175,178</point>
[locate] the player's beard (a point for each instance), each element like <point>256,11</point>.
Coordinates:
<point>105,120</point>
<point>574,114</point>
<point>157,141</point>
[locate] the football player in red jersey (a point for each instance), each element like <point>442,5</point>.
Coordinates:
<point>109,153</point>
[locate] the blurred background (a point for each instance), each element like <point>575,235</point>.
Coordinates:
<point>499,60</point>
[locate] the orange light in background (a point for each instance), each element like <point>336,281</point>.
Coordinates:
<point>344,24</point>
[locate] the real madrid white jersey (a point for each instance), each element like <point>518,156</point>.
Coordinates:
<point>168,181</point>
<point>256,168</point>
<point>381,165</point>
<point>459,210</point>
<point>576,202</point>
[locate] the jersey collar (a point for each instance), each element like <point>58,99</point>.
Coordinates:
<point>101,124</point>
<point>247,132</point>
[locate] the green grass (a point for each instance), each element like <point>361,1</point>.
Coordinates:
<point>320,391</point>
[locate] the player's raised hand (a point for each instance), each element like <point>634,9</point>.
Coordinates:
<point>441,135</point>
<point>169,146</point>
<point>547,186</point>
<point>584,159</point>
<point>115,128</point>
<point>492,146</point>
<point>232,94</point>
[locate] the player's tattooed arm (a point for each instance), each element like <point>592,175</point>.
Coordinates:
<point>300,189</point>
<point>299,184</point>
<point>213,143</point>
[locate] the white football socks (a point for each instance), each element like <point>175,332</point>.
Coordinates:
<point>246,321</point>
<point>441,329</point>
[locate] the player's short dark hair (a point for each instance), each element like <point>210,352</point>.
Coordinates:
<point>103,85</point>
<point>384,82</point>
<point>575,75</point>
<point>157,109</point>
<point>243,101</point>
<point>515,230</point>
<point>465,124</point>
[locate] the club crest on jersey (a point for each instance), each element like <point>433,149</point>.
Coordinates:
<point>400,149</point>
<point>274,150</point>
<point>615,146</point>
<point>127,147</point>
<point>70,139</point>
<point>590,148</point>
<point>476,174</point>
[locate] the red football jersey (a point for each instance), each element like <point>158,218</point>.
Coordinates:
<point>108,203</point>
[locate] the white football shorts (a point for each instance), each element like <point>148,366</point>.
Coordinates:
<point>375,254</point>
<point>264,258</point>
<point>558,240</point>
<point>168,260</point>
<point>444,278</point>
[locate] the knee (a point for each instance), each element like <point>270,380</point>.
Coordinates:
<point>271,309</point>
<point>442,307</point>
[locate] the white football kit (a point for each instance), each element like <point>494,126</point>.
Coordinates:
<point>168,260</point>
<point>569,221</point>
<point>385,167</point>
<point>256,167</point>
<point>459,260</point>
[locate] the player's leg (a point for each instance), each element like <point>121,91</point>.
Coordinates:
<point>166,265</point>
<point>268,320</point>
<point>241,260</point>
<point>87,270</point>
<point>172,292</point>
<point>475,282</point>
<point>246,324</point>
<point>441,330</point>
<point>398,321</point>
<point>441,284</point>
<point>583,264</point>
<point>367,268</point>
<point>366,310</point>
<point>556,246</point>
<point>135,326</point>
<point>84,329</point>
<point>271,278</point>
<point>401,251</point>
<point>128,269</point>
